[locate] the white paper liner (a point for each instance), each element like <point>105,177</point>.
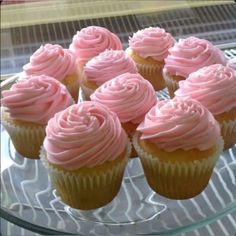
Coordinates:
<point>77,186</point>
<point>27,140</point>
<point>228,131</point>
<point>171,84</point>
<point>154,72</point>
<point>169,179</point>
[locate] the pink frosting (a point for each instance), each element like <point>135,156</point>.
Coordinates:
<point>128,95</point>
<point>52,60</point>
<point>152,42</point>
<point>191,54</point>
<point>107,65</point>
<point>214,86</point>
<point>180,124</point>
<point>84,135</point>
<point>232,64</point>
<point>91,41</point>
<point>36,99</point>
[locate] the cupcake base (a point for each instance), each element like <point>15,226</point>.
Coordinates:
<point>88,188</point>
<point>72,84</point>
<point>87,88</point>
<point>227,123</point>
<point>228,131</point>
<point>26,137</point>
<point>177,179</point>
<point>150,69</point>
<point>130,128</point>
<point>152,73</point>
<point>172,83</point>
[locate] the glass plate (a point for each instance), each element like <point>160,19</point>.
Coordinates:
<point>29,200</point>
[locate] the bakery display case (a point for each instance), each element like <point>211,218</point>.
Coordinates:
<point>28,198</point>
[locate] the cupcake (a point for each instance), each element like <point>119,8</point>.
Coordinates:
<point>148,48</point>
<point>215,87</point>
<point>26,109</point>
<point>187,56</point>
<point>232,64</point>
<point>92,40</point>
<point>130,97</point>
<point>107,65</point>
<point>178,143</point>
<point>57,62</point>
<point>85,152</point>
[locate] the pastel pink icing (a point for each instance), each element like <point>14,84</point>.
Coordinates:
<point>151,42</point>
<point>36,99</point>
<point>232,64</point>
<point>52,60</point>
<point>128,95</point>
<point>180,124</point>
<point>92,40</point>
<point>107,65</point>
<point>84,135</point>
<point>191,54</point>
<point>214,86</point>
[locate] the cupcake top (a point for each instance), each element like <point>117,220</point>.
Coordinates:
<point>180,124</point>
<point>232,64</point>
<point>36,99</point>
<point>128,95</point>
<point>92,40</point>
<point>52,60</point>
<point>84,135</point>
<point>214,86</point>
<point>191,54</point>
<point>108,65</point>
<point>151,42</point>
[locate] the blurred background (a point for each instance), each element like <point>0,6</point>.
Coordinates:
<point>25,25</point>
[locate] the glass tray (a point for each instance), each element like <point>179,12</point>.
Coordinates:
<point>28,199</point>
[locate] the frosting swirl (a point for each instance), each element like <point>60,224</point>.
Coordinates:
<point>84,135</point>
<point>180,124</point>
<point>128,95</point>
<point>152,42</point>
<point>36,99</point>
<point>107,65</point>
<point>52,60</point>
<point>214,86</point>
<point>91,41</point>
<point>191,54</point>
<point>232,64</point>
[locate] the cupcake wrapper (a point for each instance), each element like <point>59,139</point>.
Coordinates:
<point>228,131</point>
<point>171,84</point>
<point>130,131</point>
<point>177,180</point>
<point>26,140</point>
<point>86,92</point>
<point>87,190</point>
<point>133,153</point>
<point>152,73</point>
<point>73,89</point>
